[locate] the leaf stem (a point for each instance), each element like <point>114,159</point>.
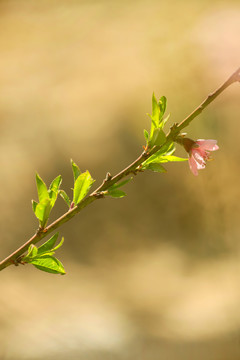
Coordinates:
<point>15,257</point>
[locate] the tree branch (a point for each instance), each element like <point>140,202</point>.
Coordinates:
<point>15,257</point>
<point>235,77</point>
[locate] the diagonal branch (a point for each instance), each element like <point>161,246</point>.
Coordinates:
<point>15,257</point>
<point>235,77</point>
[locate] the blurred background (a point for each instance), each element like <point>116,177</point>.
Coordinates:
<point>154,275</point>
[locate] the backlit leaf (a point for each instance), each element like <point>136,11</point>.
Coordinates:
<point>34,205</point>
<point>76,170</point>
<point>155,167</point>
<point>54,188</point>
<point>146,135</point>
<point>58,245</point>
<point>48,245</point>
<point>162,105</point>
<point>158,137</point>
<point>171,158</point>
<point>120,184</point>
<point>42,211</point>
<point>82,186</point>
<point>116,193</point>
<point>41,188</point>
<point>155,110</point>
<point>65,197</point>
<point>49,264</point>
<point>32,251</point>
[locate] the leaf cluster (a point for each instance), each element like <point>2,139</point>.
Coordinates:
<point>42,258</point>
<point>82,184</point>
<point>157,137</point>
<point>47,198</point>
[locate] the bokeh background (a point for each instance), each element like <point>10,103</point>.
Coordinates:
<point>154,275</point>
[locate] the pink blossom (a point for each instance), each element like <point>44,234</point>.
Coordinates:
<point>199,153</point>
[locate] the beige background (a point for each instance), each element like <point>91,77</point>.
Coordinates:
<point>154,275</point>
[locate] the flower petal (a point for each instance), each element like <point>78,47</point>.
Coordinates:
<point>210,145</point>
<point>193,165</point>
<point>199,157</point>
<point>201,166</point>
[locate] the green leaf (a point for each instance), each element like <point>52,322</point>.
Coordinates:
<point>81,186</point>
<point>118,185</point>
<point>163,121</point>
<point>47,198</point>
<point>166,149</point>
<point>116,193</point>
<point>162,105</point>
<point>58,245</point>
<point>49,264</point>
<point>42,211</point>
<point>32,251</point>
<point>171,158</point>
<point>34,205</point>
<point>163,159</point>
<point>56,184</point>
<point>65,197</point>
<point>155,110</point>
<point>48,245</point>
<point>41,188</point>
<point>155,167</point>
<point>158,137</point>
<point>76,170</point>
<point>146,135</point>
<point>54,189</point>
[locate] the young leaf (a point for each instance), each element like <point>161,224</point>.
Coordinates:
<point>163,159</point>
<point>155,167</point>
<point>146,135</point>
<point>49,264</point>
<point>34,205</point>
<point>158,137</point>
<point>115,186</point>
<point>162,105</point>
<point>56,184</point>
<point>42,211</point>
<point>82,186</point>
<point>58,245</point>
<point>155,110</point>
<point>32,251</point>
<point>166,149</point>
<point>65,197</point>
<point>54,189</point>
<point>76,170</point>
<point>171,158</point>
<point>163,121</point>
<point>48,245</point>
<point>41,188</point>
<point>116,193</point>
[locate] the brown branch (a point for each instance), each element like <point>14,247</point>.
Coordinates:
<point>15,257</point>
<point>235,77</point>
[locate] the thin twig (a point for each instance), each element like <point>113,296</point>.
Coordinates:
<point>15,257</point>
<point>235,77</point>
